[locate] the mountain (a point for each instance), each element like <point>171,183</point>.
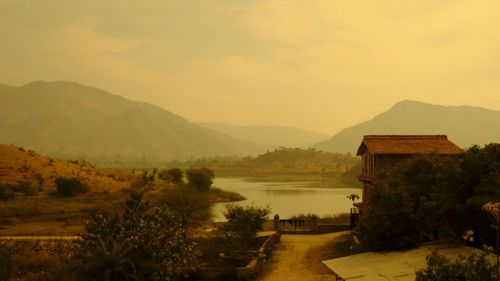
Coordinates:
<point>269,137</point>
<point>69,120</point>
<point>464,125</point>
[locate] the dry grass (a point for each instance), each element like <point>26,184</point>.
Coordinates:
<point>18,164</point>
<point>53,215</point>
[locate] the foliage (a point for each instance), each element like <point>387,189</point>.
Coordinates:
<point>465,268</point>
<point>200,179</point>
<point>25,187</point>
<point>445,194</point>
<point>6,192</point>
<point>174,175</point>
<point>68,187</point>
<point>188,203</point>
<point>353,197</point>
<point>390,223</point>
<point>144,243</point>
<point>243,222</point>
<point>6,263</point>
<point>493,209</point>
<point>282,160</point>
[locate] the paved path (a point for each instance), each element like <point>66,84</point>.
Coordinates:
<point>298,258</point>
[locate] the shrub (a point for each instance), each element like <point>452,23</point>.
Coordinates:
<point>6,264</point>
<point>25,187</point>
<point>465,268</point>
<point>188,203</point>
<point>6,192</point>
<point>142,244</point>
<point>68,187</point>
<point>200,179</point>
<point>174,175</point>
<point>243,222</point>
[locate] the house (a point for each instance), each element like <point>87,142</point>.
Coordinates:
<point>382,153</point>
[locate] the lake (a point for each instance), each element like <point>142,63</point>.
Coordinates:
<point>286,198</point>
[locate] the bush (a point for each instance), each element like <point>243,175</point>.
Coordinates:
<point>188,203</point>
<point>6,264</point>
<point>243,222</point>
<point>68,187</point>
<point>471,268</point>
<point>143,244</point>
<point>6,192</point>
<point>200,179</point>
<point>174,175</point>
<point>25,187</point>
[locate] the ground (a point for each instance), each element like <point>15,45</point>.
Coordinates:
<point>298,257</point>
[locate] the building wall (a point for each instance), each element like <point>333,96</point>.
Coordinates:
<point>386,163</point>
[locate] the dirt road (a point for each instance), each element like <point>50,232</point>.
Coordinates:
<point>298,258</point>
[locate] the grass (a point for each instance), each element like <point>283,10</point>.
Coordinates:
<point>53,215</point>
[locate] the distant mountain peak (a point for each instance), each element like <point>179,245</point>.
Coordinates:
<point>464,125</point>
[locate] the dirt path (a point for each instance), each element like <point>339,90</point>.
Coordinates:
<point>54,238</point>
<point>298,258</point>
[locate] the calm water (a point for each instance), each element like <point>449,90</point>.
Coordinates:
<point>287,198</point>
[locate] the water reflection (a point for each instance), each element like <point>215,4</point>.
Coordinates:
<point>287,198</point>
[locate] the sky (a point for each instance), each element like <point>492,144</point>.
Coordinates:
<point>321,65</point>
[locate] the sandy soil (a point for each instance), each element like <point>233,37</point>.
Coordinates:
<point>298,258</point>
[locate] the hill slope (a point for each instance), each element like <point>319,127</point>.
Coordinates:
<point>69,120</point>
<point>269,137</point>
<point>464,125</point>
<point>20,165</point>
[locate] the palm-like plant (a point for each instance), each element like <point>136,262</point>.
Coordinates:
<point>112,262</point>
<point>353,197</point>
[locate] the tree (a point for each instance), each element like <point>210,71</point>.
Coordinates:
<point>428,181</point>
<point>144,243</point>
<point>443,195</point>
<point>200,179</point>
<point>174,175</point>
<point>243,222</point>
<point>465,268</point>
<point>390,222</point>
<point>188,203</point>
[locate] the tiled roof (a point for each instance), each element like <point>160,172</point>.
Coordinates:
<point>408,144</point>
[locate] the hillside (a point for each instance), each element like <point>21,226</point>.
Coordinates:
<point>20,165</point>
<point>270,137</point>
<point>69,120</point>
<point>464,125</point>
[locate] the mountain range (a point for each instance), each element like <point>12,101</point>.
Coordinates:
<point>72,121</point>
<point>464,125</point>
<point>270,137</point>
<point>69,120</point>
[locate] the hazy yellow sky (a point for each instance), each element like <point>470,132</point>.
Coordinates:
<point>316,64</point>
